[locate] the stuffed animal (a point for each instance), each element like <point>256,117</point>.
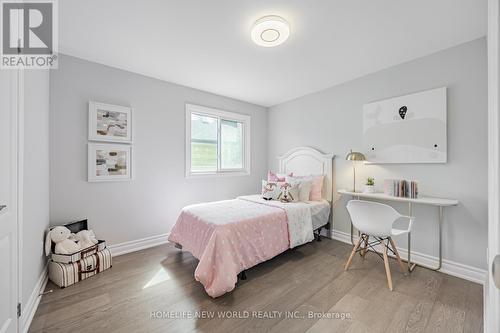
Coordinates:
<point>86,238</point>
<point>60,235</point>
<point>285,195</point>
<point>269,190</point>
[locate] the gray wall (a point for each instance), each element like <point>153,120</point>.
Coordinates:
<point>331,121</point>
<point>35,200</point>
<point>150,204</point>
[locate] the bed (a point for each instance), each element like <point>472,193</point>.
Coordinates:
<point>231,236</point>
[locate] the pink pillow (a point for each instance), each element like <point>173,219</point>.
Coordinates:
<point>276,177</point>
<point>316,187</point>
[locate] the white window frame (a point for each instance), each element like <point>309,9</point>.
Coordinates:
<point>225,115</point>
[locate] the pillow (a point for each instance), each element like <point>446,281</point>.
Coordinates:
<point>276,177</point>
<point>316,186</point>
<point>305,190</point>
<point>270,190</point>
<point>289,190</point>
<point>304,187</point>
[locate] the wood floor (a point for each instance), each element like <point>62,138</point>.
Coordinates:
<point>310,279</point>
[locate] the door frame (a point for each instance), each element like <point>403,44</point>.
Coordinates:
<point>17,145</point>
<point>19,77</point>
<point>491,294</point>
<point>15,157</point>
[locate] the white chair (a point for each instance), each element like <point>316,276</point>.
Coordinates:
<point>376,220</point>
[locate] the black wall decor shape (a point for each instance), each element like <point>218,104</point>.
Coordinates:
<point>402,111</point>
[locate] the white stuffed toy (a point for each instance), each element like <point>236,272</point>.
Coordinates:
<point>61,236</point>
<point>86,238</point>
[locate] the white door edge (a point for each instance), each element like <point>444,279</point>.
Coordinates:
<point>20,186</point>
<point>492,294</point>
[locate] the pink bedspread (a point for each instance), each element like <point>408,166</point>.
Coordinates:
<point>228,237</point>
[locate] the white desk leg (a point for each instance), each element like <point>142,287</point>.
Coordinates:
<point>440,240</point>
<point>440,221</point>
<point>411,266</point>
<point>352,227</point>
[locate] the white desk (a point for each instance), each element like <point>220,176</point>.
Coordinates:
<point>438,202</point>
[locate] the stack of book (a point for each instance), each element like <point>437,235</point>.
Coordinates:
<point>401,188</point>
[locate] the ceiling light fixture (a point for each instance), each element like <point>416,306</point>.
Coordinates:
<point>270,31</point>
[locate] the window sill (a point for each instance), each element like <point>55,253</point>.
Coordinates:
<point>191,175</point>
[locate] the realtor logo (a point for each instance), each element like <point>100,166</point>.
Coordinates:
<point>29,34</point>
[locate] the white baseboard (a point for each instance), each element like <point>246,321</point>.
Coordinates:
<point>138,244</point>
<point>449,267</point>
<point>29,309</point>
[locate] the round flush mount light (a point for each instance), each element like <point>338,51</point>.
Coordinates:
<point>270,31</point>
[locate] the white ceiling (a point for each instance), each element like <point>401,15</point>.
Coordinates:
<point>206,44</point>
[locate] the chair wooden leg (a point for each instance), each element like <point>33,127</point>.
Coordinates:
<point>352,253</point>
<point>402,267</point>
<point>387,269</point>
<point>365,248</point>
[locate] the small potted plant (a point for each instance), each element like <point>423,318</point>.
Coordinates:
<point>370,185</point>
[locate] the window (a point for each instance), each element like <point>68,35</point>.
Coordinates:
<point>217,142</point>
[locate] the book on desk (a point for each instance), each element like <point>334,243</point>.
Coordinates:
<point>401,188</point>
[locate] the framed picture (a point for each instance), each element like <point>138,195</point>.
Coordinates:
<point>109,162</point>
<point>110,123</point>
<point>406,129</point>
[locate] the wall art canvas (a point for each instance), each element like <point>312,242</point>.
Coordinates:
<point>406,129</point>
<point>111,123</point>
<point>107,162</point>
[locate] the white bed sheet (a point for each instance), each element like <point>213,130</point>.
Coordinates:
<point>320,213</point>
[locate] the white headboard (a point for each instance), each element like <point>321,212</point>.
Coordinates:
<point>305,161</point>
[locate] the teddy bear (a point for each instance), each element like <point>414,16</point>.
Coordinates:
<point>61,236</point>
<point>86,238</point>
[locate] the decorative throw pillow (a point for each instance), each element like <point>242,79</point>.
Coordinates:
<point>270,190</point>
<point>316,188</point>
<point>305,190</point>
<point>289,192</point>
<point>276,177</point>
<point>316,185</point>
<point>304,187</point>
